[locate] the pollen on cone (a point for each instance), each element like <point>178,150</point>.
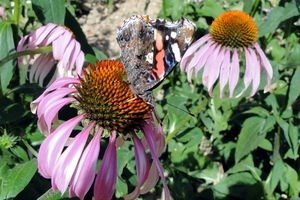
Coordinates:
<point>234,29</point>
<point>105,96</point>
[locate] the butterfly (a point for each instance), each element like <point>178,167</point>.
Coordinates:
<point>150,49</point>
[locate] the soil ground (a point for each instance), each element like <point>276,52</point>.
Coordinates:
<point>100,21</point>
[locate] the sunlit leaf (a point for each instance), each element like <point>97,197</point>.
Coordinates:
<point>253,132</point>
<point>16,179</point>
<point>7,48</point>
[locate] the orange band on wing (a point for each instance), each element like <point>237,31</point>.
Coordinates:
<point>160,67</point>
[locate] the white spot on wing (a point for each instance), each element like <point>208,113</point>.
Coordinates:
<point>167,37</point>
<point>173,34</point>
<point>176,51</point>
<point>149,57</point>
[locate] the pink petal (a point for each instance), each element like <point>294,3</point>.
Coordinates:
<point>47,66</point>
<point>52,97</point>
<point>53,145</point>
<point>211,71</point>
<point>59,46</point>
<point>106,178</point>
<point>204,58</point>
<point>234,73</point>
<point>55,33</point>
<point>75,52</point>
<point>55,85</point>
<point>249,67</point>
<point>79,63</point>
<point>142,167</point>
<point>255,72</point>
<point>52,112</point>
<point>86,170</point>
<point>66,57</point>
<point>67,162</point>
<point>151,142</point>
<point>152,179</point>
<point>198,57</point>
<point>40,34</point>
<point>266,65</point>
<point>191,50</point>
<point>224,72</point>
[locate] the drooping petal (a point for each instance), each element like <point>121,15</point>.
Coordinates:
<point>79,63</point>
<point>86,169</point>
<point>224,72</point>
<point>53,145</point>
<point>266,65</point>
<point>67,162</point>
<point>255,71</point>
<point>42,72</point>
<point>60,45</point>
<point>55,85</point>
<point>152,146</point>
<point>248,76</point>
<point>39,35</point>
<point>50,98</point>
<point>205,57</point>
<point>51,112</point>
<point>106,178</point>
<point>54,35</point>
<point>151,180</point>
<point>198,60</point>
<point>212,70</point>
<point>234,73</point>
<point>142,167</point>
<point>191,50</point>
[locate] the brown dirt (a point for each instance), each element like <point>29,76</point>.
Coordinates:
<point>100,22</point>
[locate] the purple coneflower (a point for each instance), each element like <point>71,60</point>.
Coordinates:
<point>232,35</point>
<point>66,53</point>
<point>104,102</point>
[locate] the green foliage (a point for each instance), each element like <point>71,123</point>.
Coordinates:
<point>240,148</point>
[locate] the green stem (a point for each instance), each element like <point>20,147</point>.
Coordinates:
<point>25,53</point>
<point>276,154</point>
<point>17,12</point>
<point>254,8</point>
<point>183,122</point>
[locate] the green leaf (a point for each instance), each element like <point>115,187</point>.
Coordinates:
<point>266,145</point>
<point>248,6</point>
<point>253,132</point>
<point>7,47</point>
<point>10,111</point>
<point>293,135</point>
<point>123,156</point>
<point>49,11</point>
<point>285,127</point>
<point>190,137</point>
<point>276,174</point>
<point>20,153</point>
<point>291,176</point>
<point>276,16</point>
<point>73,24</point>
<point>211,8</point>
<point>258,111</point>
<point>121,187</point>
<point>16,179</point>
<point>294,91</point>
<point>54,195</point>
<point>239,186</point>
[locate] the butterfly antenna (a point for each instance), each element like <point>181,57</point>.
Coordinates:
<point>182,110</point>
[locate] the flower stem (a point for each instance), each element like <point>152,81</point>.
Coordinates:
<point>184,121</point>
<point>16,11</point>
<point>254,8</point>
<point>25,53</point>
